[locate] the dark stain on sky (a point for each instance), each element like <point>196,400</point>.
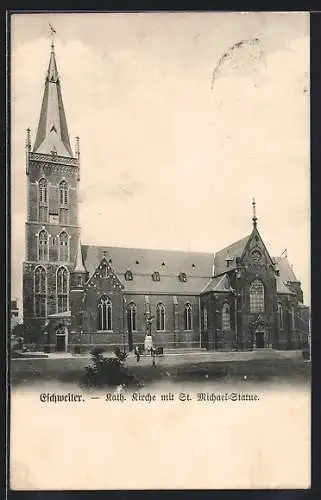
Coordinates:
<point>228,54</point>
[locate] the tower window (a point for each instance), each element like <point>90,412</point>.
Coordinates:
<point>256,296</point>
<point>156,276</point>
<point>43,245</point>
<point>63,194</point>
<point>226,317</point>
<point>62,289</point>
<point>63,246</point>
<point>182,277</point>
<point>43,194</point>
<point>160,317</point>
<point>43,200</point>
<point>188,323</point>
<point>63,202</point>
<point>40,292</point>
<point>105,314</point>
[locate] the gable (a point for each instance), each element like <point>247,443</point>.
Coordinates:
<point>104,274</point>
<point>255,252</point>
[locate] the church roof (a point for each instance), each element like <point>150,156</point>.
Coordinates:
<point>234,250</point>
<point>281,287</point>
<point>285,268</point>
<point>144,262</point>
<point>218,284</point>
<point>52,133</point>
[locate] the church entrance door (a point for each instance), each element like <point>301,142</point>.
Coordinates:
<point>61,338</point>
<point>259,339</point>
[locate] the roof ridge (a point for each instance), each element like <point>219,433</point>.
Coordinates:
<point>234,243</point>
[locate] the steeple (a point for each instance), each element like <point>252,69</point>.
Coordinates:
<point>52,134</point>
<point>254,218</point>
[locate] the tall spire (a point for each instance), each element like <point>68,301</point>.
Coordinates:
<point>52,134</point>
<point>254,218</point>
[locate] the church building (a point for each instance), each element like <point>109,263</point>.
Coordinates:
<point>76,296</point>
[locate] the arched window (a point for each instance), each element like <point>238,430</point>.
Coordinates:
<point>160,317</point>
<point>63,202</point>
<point>62,289</point>
<point>63,246</point>
<point>43,195</point>
<point>131,317</point>
<point>43,245</point>
<point>43,200</point>
<point>280,316</point>
<point>40,292</point>
<point>256,296</point>
<point>205,320</point>
<point>292,318</point>
<point>226,317</point>
<point>105,314</point>
<point>63,194</point>
<point>188,317</point>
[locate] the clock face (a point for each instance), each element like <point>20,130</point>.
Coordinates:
<point>256,255</point>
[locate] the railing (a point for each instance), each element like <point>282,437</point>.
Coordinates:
<point>53,158</point>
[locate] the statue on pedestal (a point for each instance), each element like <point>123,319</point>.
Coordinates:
<point>148,344</point>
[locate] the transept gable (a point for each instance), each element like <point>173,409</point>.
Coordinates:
<point>104,278</point>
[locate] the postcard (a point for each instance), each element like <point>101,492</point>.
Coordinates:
<point>160,284</point>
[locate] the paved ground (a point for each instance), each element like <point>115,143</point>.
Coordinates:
<point>174,357</point>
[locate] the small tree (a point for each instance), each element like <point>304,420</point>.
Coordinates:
<point>105,371</point>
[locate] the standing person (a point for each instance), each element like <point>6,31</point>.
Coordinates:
<point>137,353</point>
<point>153,353</point>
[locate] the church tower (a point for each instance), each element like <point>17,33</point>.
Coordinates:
<point>52,226</point>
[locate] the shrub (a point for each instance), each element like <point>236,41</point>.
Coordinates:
<point>120,355</point>
<point>105,371</point>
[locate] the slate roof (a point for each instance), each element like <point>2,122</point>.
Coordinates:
<point>281,287</point>
<point>52,133</point>
<point>218,284</point>
<point>286,271</point>
<point>234,250</point>
<point>143,262</point>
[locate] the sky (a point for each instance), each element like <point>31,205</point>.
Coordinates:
<point>183,118</point>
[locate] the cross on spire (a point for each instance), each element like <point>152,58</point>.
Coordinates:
<point>52,32</point>
<point>254,218</point>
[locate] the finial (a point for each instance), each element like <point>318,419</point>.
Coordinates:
<point>28,139</point>
<point>254,218</point>
<point>53,32</point>
<point>77,147</point>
